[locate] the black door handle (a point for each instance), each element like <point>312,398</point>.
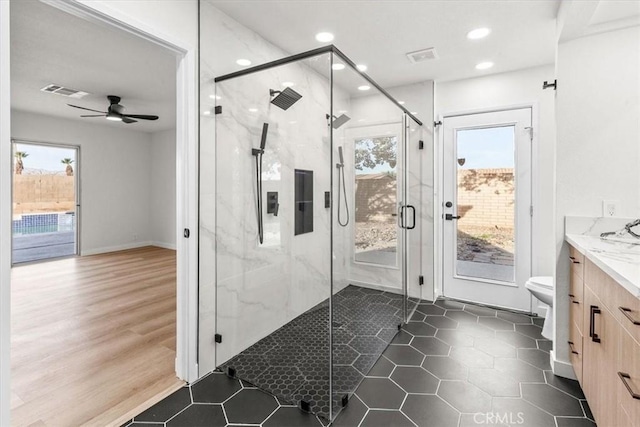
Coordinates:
<point>413,216</point>
<point>592,327</point>
<point>449,217</point>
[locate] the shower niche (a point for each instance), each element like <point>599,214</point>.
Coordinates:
<point>303,201</point>
<point>294,321</point>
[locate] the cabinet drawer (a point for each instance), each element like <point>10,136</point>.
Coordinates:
<point>575,348</point>
<point>576,301</point>
<point>626,308</point>
<point>577,262</point>
<point>629,364</point>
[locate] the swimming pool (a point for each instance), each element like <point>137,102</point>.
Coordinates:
<point>44,223</point>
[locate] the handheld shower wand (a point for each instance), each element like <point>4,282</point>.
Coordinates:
<point>340,167</point>
<point>258,152</point>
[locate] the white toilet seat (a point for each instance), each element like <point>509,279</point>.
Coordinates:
<point>542,281</point>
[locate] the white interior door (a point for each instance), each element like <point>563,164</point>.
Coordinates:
<point>487,208</point>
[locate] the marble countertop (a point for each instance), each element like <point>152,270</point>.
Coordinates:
<point>619,260</point>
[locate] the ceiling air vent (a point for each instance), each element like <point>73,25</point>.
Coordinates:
<point>64,91</point>
<point>422,55</point>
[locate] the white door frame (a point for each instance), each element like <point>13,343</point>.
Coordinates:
<point>5,215</point>
<point>438,207</point>
<point>186,186</point>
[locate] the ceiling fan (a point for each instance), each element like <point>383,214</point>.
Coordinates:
<point>115,112</point>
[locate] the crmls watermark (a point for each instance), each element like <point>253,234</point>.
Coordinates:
<point>493,418</point>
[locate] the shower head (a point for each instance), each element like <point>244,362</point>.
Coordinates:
<point>263,141</point>
<point>341,157</point>
<point>339,121</point>
<point>284,98</point>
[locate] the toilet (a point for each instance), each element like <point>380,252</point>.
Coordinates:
<point>541,287</point>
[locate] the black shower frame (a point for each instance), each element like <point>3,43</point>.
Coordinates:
<point>311,53</point>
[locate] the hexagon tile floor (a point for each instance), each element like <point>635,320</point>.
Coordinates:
<point>293,362</point>
<point>453,364</point>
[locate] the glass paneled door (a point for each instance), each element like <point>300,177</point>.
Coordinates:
<point>45,200</point>
<point>487,208</point>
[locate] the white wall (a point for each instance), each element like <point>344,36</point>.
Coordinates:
<point>523,87</point>
<point>598,147</point>
<point>115,177</point>
<point>162,203</point>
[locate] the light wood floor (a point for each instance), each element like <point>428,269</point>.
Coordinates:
<point>92,338</point>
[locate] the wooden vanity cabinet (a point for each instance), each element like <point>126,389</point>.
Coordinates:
<point>605,337</point>
<point>576,303</point>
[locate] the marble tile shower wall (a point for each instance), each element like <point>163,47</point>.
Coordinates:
<point>223,40</point>
<point>262,287</point>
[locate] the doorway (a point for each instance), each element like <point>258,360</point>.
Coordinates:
<point>487,208</point>
<point>45,200</point>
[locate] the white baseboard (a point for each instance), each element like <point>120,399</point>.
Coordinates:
<point>560,368</point>
<point>132,245</point>
<point>164,245</point>
<point>107,249</point>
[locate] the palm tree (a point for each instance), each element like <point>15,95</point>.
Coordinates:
<point>69,169</point>
<point>19,155</point>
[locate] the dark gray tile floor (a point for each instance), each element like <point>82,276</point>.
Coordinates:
<point>453,364</point>
<point>462,365</point>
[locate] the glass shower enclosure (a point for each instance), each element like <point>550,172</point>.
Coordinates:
<point>296,315</point>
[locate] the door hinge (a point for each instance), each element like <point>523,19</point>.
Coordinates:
<point>531,210</point>
<point>420,145</point>
<point>186,233</point>
<point>218,109</point>
<point>438,123</point>
<point>217,338</point>
<point>420,280</point>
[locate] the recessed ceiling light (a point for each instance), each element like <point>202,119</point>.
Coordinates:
<point>338,67</point>
<point>364,87</point>
<point>288,84</point>
<point>484,65</point>
<point>243,62</point>
<point>253,110</point>
<point>401,102</point>
<point>324,37</point>
<point>361,67</point>
<point>478,33</point>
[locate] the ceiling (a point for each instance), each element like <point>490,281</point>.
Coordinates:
<point>380,33</point>
<point>52,46</point>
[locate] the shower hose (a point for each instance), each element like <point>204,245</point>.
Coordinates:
<point>344,192</point>
<point>259,196</point>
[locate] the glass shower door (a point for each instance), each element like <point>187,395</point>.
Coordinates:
<point>371,221</point>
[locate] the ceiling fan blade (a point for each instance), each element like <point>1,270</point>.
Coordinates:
<point>126,119</point>
<point>141,116</point>
<point>93,115</point>
<point>88,109</point>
